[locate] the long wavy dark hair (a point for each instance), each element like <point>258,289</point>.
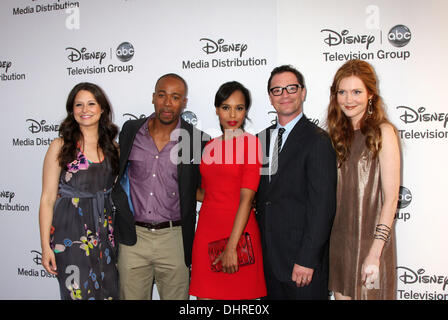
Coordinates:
<point>340,127</point>
<point>71,134</point>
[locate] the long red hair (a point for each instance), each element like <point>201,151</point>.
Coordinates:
<point>340,127</point>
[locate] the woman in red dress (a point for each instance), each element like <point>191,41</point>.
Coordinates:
<point>230,170</point>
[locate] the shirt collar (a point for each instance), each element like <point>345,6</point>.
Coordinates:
<point>290,125</point>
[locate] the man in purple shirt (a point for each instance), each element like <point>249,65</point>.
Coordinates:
<point>156,196</point>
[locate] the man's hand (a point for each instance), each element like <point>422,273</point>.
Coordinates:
<point>302,276</point>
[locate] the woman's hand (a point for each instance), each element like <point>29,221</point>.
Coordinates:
<point>370,272</point>
<point>200,194</point>
<point>229,260</point>
<point>229,257</point>
<point>49,261</point>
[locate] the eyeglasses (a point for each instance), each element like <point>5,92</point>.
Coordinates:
<point>291,88</point>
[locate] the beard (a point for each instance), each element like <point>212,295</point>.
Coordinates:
<point>167,119</point>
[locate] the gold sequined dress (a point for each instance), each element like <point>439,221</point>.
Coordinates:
<point>359,202</point>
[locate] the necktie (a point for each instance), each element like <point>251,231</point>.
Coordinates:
<point>276,151</point>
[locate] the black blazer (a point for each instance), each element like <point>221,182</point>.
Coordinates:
<point>192,142</point>
<point>296,209</point>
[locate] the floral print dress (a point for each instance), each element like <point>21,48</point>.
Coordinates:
<point>82,232</point>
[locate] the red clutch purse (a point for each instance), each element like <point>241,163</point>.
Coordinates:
<point>244,251</point>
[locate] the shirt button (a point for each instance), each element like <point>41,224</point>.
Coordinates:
<point>151,193</point>
<point>153,174</point>
<point>157,157</point>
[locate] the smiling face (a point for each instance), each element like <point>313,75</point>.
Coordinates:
<point>86,110</point>
<point>352,98</point>
<point>232,111</point>
<point>287,105</point>
<point>169,100</point>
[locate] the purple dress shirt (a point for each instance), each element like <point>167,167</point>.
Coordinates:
<point>153,179</point>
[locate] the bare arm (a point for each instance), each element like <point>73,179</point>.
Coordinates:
<point>389,157</point>
<point>50,177</point>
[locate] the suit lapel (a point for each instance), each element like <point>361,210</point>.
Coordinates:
<point>126,145</point>
<point>179,154</point>
<point>181,165</point>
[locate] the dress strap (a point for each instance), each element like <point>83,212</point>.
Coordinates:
<point>79,149</point>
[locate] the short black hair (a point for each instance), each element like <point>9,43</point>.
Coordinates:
<point>286,68</point>
<point>176,76</point>
<point>227,89</point>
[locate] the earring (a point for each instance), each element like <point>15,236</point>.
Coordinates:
<point>370,108</point>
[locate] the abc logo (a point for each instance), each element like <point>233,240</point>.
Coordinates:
<point>399,36</point>
<point>404,197</point>
<point>125,52</point>
<point>190,117</point>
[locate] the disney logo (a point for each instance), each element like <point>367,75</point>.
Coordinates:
<point>219,46</point>
<point>6,65</point>
<point>334,38</point>
<point>133,117</point>
<point>190,117</point>
<point>76,55</point>
<point>273,121</point>
<point>408,276</point>
<point>36,127</point>
<point>38,257</point>
<point>410,115</point>
<point>7,194</point>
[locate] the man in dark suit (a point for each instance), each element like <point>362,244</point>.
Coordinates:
<point>156,196</point>
<point>296,199</point>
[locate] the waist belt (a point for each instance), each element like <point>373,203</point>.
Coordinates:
<point>157,226</point>
<point>66,191</point>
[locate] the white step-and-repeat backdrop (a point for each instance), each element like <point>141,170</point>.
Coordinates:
<point>48,46</point>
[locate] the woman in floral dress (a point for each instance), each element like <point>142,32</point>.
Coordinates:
<point>76,215</point>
